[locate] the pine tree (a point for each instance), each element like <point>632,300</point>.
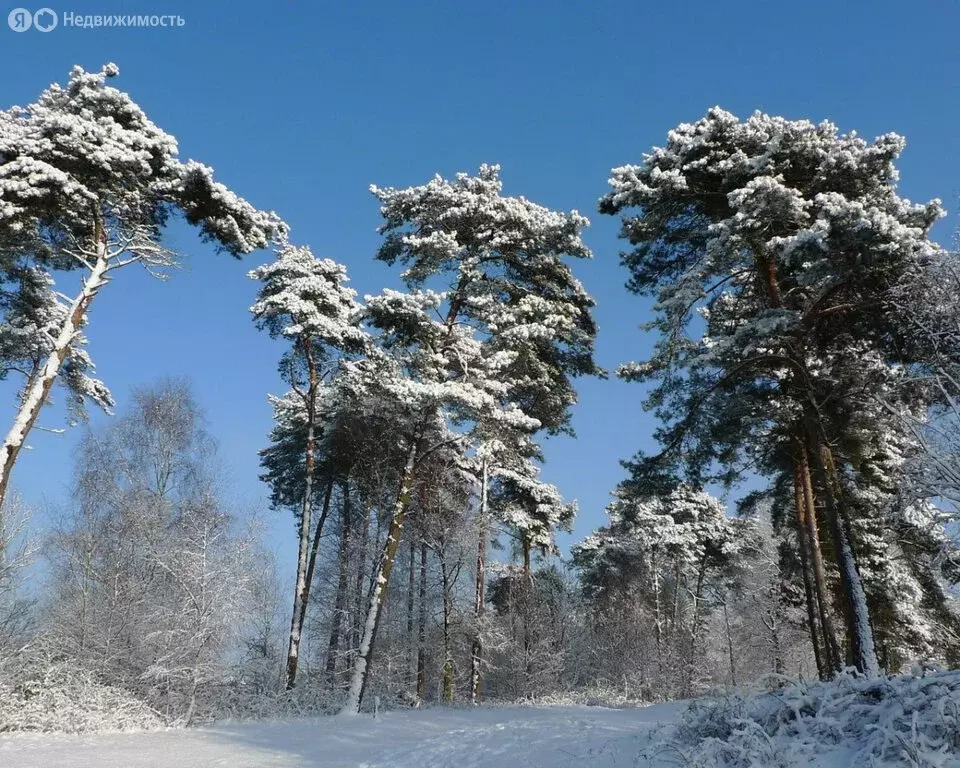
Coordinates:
<point>504,262</point>
<point>87,182</point>
<point>784,237</point>
<point>305,300</point>
<point>674,544</point>
<point>427,375</point>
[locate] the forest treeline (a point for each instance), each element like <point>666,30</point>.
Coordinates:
<point>807,335</point>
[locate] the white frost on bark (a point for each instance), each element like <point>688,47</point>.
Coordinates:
<point>384,566</point>
<point>39,388</point>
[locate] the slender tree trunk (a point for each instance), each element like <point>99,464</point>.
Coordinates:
<point>832,650</point>
<point>314,551</point>
<point>476,652</point>
<point>527,570</point>
<point>340,603</point>
<point>695,627</point>
<point>733,663</point>
<point>778,666</point>
<point>861,649</point>
<point>447,611</point>
<point>526,605</point>
<point>803,546</point>
<point>299,596</point>
<point>383,569</point>
<point>675,612</point>
<point>411,638</point>
<point>422,626</point>
<point>657,607</point>
<point>359,594</point>
<point>39,387</point>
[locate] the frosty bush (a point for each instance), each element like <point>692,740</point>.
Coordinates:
<point>42,693</point>
<point>236,701</point>
<point>902,720</point>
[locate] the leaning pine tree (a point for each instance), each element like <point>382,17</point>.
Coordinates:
<point>87,183</point>
<point>784,237</point>
<point>306,301</point>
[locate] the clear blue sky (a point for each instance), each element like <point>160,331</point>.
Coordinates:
<point>300,106</point>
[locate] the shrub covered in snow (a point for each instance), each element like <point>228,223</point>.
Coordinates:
<point>911,720</point>
<point>237,702</point>
<point>38,693</point>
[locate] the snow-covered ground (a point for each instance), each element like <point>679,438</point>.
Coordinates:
<point>527,737</point>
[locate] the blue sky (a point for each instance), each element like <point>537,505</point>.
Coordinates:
<point>301,106</point>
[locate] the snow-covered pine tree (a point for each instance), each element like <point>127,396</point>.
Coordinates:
<point>673,544</point>
<point>87,183</point>
<point>784,236</point>
<point>427,375</point>
<point>306,301</point>
<point>504,260</point>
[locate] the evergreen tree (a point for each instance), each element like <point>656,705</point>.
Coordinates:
<point>503,260</point>
<point>771,245</point>
<point>305,300</point>
<point>88,182</point>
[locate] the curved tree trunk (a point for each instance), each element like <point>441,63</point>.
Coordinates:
<point>38,389</point>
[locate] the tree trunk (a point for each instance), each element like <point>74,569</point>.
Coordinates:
<point>803,546</point>
<point>861,649</point>
<point>40,385</point>
<point>476,652</point>
<point>526,604</point>
<point>733,663</point>
<point>314,550</point>
<point>447,612</point>
<point>657,607</point>
<point>384,567</point>
<point>359,594</point>
<point>831,648</point>
<point>339,606</point>
<point>778,666</point>
<point>695,627</point>
<point>299,596</point>
<point>422,626</point>
<point>411,641</point>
